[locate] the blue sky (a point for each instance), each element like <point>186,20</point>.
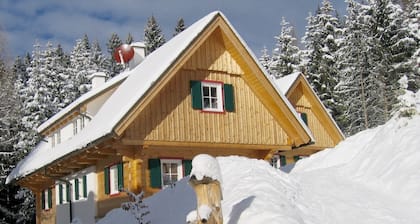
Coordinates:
<point>25,21</point>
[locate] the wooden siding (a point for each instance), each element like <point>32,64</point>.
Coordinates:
<point>303,104</point>
<point>170,117</point>
<point>45,216</point>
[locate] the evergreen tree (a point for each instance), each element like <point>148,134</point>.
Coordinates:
<point>322,42</point>
<point>153,36</point>
<point>180,26</point>
<point>265,60</point>
<point>82,65</point>
<point>286,55</point>
<point>113,67</point>
<point>129,39</point>
<point>412,22</point>
<point>354,67</point>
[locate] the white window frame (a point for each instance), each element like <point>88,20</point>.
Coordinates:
<point>113,180</point>
<point>179,170</point>
<point>55,138</point>
<point>218,97</point>
<point>75,127</point>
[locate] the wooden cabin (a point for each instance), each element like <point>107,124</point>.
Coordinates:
<point>310,108</point>
<point>202,92</point>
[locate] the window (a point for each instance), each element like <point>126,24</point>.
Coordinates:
<point>46,199</point>
<point>212,96</point>
<point>63,193</point>
<point>114,179</point>
<point>75,128</point>
<point>171,171</point>
<point>304,117</point>
<point>55,138</point>
<point>80,188</point>
<point>164,172</point>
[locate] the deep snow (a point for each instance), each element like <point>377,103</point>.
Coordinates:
<point>371,177</point>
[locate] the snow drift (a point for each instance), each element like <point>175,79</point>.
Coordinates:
<point>371,177</point>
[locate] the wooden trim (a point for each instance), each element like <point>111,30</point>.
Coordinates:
<point>152,144</point>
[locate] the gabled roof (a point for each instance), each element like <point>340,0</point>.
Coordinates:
<point>137,84</point>
<point>289,82</point>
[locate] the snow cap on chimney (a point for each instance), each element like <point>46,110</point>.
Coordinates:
<point>97,79</point>
<point>139,54</point>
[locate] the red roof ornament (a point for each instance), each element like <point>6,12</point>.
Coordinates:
<point>123,53</point>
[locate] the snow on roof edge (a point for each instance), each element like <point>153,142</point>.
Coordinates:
<point>83,98</point>
<point>104,122</point>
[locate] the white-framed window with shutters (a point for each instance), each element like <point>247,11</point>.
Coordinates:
<point>171,171</point>
<point>46,199</point>
<point>114,178</point>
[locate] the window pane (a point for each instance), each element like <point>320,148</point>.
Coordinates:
<point>206,103</point>
<point>205,91</point>
<point>214,103</point>
<point>214,92</point>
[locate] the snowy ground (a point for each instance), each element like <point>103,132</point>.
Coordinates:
<point>371,177</point>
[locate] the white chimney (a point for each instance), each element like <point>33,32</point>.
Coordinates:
<point>97,79</point>
<point>139,54</point>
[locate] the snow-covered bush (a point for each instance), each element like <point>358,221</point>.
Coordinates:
<point>136,207</point>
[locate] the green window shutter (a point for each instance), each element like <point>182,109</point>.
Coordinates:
<point>196,94</point>
<point>304,117</point>
<point>60,194</point>
<point>187,167</point>
<point>282,160</point>
<point>68,192</point>
<point>120,168</point>
<point>76,189</point>
<point>43,199</point>
<point>296,158</point>
<point>106,180</point>
<point>155,173</point>
<point>49,198</point>
<point>229,98</point>
<point>84,186</point>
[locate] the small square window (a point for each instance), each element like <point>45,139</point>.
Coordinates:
<point>212,98</point>
<point>171,171</point>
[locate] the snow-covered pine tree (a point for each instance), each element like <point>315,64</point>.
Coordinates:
<point>265,60</point>
<point>13,207</point>
<point>412,22</point>
<point>180,26</point>
<point>286,55</point>
<point>82,65</point>
<point>354,68</point>
<point>113,67</point>
<point>99,60</point>
<point>321,41</point>
<point>153,35</point>
<point>390,52</point>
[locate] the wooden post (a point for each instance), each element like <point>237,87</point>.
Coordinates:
<point>206,181</point>
<point>209,195</point>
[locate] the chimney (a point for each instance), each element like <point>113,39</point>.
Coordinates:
<point>97,79</point>
<point>139,54</point>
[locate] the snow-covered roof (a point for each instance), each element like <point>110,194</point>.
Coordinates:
<point>286,82</point>
<point>82,99</point>
<point>137,83</point>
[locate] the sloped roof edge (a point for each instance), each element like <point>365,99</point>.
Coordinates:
<point>139,80</point>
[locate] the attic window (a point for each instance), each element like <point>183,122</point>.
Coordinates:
<point>212,96</point>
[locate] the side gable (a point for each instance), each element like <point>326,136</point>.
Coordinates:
<point>323,126</point>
